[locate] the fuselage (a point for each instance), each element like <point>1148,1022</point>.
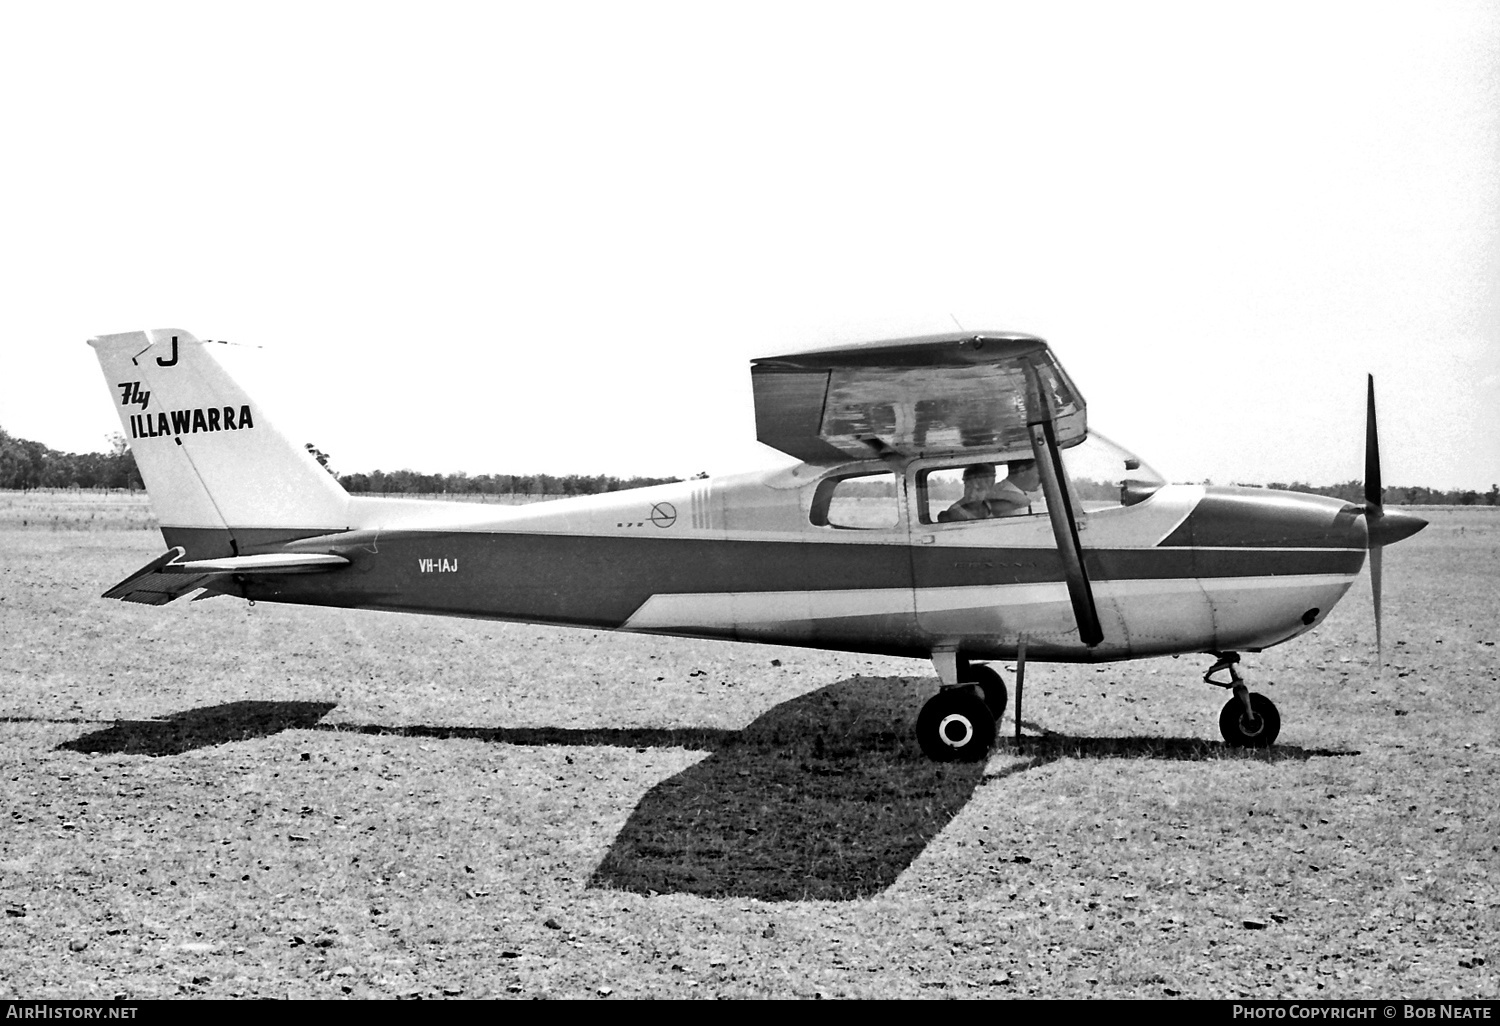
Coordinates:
<point>757,557</point>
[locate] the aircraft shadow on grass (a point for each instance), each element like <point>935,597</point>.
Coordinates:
<point>199,728</point>
<point>826,796</point>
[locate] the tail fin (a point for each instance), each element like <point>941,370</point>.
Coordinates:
<point>222,480</point>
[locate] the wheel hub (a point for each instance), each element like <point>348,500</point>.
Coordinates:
<point>956,730</point>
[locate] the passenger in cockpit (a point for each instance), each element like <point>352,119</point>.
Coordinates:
<point>978,480</point>
<point>984,499</point>
<point>1012,496</point>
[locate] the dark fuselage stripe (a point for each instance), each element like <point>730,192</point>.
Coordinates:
<point>601,581</point>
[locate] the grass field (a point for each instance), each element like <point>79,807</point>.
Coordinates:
<point>216,799</point>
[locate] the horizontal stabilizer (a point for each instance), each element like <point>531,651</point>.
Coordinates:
<point>153,587</point>
<point>267,563</point>
<point>164,578</point>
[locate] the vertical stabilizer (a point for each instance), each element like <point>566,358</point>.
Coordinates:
<point>221,478</point>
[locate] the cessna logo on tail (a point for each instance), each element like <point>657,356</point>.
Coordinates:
<point>190,422</point>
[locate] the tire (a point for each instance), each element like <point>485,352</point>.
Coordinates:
<point>956,726</point>
<point>991,686</point>
<point>1240,731</point>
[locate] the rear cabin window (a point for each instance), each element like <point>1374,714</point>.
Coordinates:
<point>863,502</point>
<point>979,491</point>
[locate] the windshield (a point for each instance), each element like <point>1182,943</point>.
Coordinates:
<point>1105,474</point>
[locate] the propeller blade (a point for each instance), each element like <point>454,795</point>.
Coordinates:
<point>1374,511</point>
<point>1375,553</point>
<point>1383,528</point>
<point>1374,488</point>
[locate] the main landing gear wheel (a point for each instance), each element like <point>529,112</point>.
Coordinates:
<point>1255,730</point>
<point>956,726</point>
<point>991,686</point>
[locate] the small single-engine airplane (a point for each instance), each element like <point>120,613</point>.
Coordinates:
<point>951,503</point>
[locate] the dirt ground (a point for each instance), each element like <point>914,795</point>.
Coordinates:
<point>210,798</point>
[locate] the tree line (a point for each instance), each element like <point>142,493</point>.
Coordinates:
<point>410,482</point>
<point>1400,495</point>
<point>25,464</point>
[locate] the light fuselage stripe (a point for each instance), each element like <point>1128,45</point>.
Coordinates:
<point>726,609</point>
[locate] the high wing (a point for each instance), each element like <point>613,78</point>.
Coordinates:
<point>940,395</point>
<point>166,577</point>
<point>936,395</point>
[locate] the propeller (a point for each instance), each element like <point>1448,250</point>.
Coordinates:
<point>1383,528</point>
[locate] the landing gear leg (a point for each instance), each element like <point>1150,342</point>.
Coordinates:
<point>1248,720</point>
<point>1020,683</point>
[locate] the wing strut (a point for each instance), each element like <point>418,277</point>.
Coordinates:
<point>1060,509</point>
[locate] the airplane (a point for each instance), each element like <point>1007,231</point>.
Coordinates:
<point>885,537</point>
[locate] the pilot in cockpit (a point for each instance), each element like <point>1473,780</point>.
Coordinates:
<point>984,499</point>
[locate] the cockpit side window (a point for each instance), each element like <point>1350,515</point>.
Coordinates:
<point>979,491</point>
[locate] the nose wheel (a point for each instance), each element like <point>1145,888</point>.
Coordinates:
<point>1255,728</point>
<point>1248,720</point>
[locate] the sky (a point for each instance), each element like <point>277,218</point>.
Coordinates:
<point>519,237</point>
